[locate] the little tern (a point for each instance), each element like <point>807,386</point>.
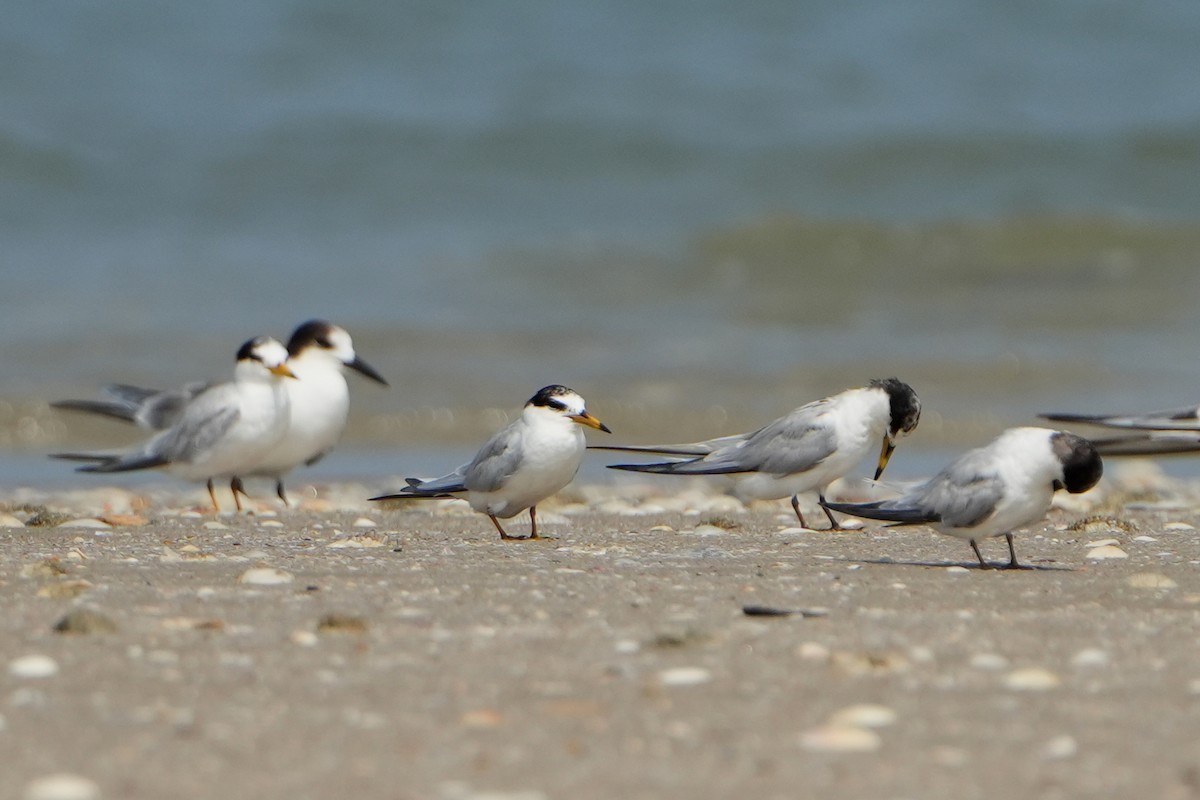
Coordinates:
<point>530,459</point>
<point>224,431</point>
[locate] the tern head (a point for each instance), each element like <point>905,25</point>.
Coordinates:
<point>1081,464</point>
<point>904,412</point>
<point>564,402</point>
<point>267,353</point>
<point>319,339</point>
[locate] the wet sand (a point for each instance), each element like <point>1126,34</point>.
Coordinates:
<point>341,650</point>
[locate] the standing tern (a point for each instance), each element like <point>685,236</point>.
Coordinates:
<point>528,460</point>
<point>803,451</point>
<point>318,403</point>
<point>224,431</point>
<point>995,489</point>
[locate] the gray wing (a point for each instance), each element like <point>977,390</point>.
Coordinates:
<point>495,462</point>
<point>1158,443</point>
<point>792,444</point>
<point>962,495</point>
<point>204,422</point>
<point>1171,419</point>
<point>687,449</point>
<point>152,409</point>
<point>160,410</point>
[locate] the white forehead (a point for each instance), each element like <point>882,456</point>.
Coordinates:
<point>573,403</point>
<point>270,352</point>
<point>334,341</point>
<point>340,339</point>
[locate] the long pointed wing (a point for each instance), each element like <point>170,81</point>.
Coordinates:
<point>1162,443</point>
<point>903,516</point>
<point>962,495</point>
<point>687,449</point>
<point>1172,419</point>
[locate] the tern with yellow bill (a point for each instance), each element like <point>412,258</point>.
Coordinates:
<point>530,459</point>
<point>222,432</point>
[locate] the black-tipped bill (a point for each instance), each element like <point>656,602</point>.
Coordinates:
<point>885,455</point>
<point>587,419</point>
<point>362,367</point>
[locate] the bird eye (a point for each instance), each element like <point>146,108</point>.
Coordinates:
<point>557,405</point>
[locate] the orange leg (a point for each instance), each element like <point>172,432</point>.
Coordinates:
<point>235,486</point>
<point>796,508</point>
<point>503,535</point>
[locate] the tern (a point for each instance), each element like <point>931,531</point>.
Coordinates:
<point>223,431</point>
<point>530,459</point>
<point>995,489</point>
<point>318,403</point>
<point>803,451</point>
<point>319,352</point>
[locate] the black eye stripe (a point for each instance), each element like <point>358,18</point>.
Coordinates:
<point>557,404</point>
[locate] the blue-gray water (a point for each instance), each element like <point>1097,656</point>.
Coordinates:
<point>698,214</point>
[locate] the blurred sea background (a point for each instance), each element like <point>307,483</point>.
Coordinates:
<point>700,215</point>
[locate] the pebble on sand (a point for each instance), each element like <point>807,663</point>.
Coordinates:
<point>863,715</point>
<point>1059,748</point>
<point>304,638</point>
<point>1150,580</point>
<point>1102,542</point>
<point>83,620</point>
<point>992,662</point>
<point>813,651</point>
<point>62,786</point>
<point>1105,552</point>
<point>33,666</point>
<point>84,522</point>
<point>1031,679</point>
<point>840,739</point>
<point>684,676</point>
<point>266,576</point>
<point>1090,657</point>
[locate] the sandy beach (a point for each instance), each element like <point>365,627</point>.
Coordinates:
<point>342,649</point>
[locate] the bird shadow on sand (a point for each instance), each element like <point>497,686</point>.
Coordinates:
<point>971,565</point>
